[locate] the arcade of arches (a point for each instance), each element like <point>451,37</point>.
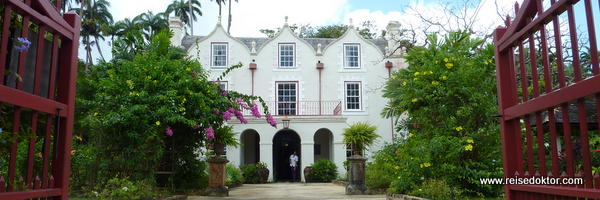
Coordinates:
<point>284,143</point>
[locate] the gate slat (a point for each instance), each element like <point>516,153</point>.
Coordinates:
<point>538,106</point>
<point>27,103</point>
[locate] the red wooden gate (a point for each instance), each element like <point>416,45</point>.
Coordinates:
<point>37,98</point>
<point>549,92</point>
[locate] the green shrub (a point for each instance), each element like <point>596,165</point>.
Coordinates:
<point>379,175</point>
<point>234,175</point>
<point>435,189</point>
<point>324,170</point>
<point>122,188</point>
<point>190,174</point>
<point>250,173</point>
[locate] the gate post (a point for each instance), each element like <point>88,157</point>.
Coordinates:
<point>509,128</point>
<point>67,75</point>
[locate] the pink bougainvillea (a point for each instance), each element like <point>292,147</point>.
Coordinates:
<point>254,111</point>
<point>169,131</point>
<point>210,133</point>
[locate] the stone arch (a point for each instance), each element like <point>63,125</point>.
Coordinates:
<point>285,142</point>
<point>323,139</point>
<point>250,148</point>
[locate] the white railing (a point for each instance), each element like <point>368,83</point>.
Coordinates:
<point>311,108</point>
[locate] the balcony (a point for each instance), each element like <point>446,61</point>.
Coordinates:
<point>302,108</point>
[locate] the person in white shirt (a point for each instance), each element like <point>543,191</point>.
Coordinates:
<point>293,164</point>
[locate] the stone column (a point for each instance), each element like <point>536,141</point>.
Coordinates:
<point>307,157</point>
<point>217,177</point>
<point>357,176</point>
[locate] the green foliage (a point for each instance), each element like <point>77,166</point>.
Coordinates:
<point>225,135</point>
<point>324,170</point>
<point>366,29</point>
<point>261,165</point>
<point>435,189</point>
<point>449,133</point>
<point>134,110</point>
<point>383,169</point>
<point>250,173</point>
<point>123,188</point>
<point>362,134</point>
<point>190,166</point>
<point>234,175</point>
<point>7,136</point>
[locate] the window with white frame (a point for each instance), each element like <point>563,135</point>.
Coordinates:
<point>286,55</point>
<point>223,85</point>
<point>353,96</point>
<point>287,93</point>
<point>219,55</point>
<point>352,55</point>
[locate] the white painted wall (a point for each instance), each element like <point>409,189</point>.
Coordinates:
<point>373,74</point>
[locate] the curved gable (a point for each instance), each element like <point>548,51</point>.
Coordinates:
<point>352,33</point>
<point>284,31</point>
<point>220,31</point>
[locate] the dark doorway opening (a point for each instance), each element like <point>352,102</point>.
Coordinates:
<point>250,147</point>
<point>285,143</point>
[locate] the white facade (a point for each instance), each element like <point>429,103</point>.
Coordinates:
<point>321,85</point>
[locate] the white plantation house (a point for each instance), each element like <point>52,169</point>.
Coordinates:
<point>320,85</point>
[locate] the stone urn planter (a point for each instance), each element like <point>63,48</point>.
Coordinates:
<point>308,175</point>
<point>263,173</point>
<point>219,149</point>
<point>359,135</point>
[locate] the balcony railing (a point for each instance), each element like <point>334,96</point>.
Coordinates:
<point>311,108</point>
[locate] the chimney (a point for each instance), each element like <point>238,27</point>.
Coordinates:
<point>393,49</point>
<point>176,26</point>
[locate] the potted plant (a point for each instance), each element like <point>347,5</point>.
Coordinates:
<point>263,171</point>
<point>360,135</point>
<point>223,136</point>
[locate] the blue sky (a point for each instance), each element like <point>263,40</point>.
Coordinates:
<point>384,6</point>
<point>249,16</point>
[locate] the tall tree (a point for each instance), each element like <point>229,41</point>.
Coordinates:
<point>151,24</point>
<point>182,10</point>
<point>445,98</point>
<point>96,20</point>
<point>220,2</point>
<point>366,29</point>
<point>122,27</point>
<point>229,19</point>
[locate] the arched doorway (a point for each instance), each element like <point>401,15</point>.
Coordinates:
<point>323,144</point>
<point>285,143</point>
<point>250,147</point>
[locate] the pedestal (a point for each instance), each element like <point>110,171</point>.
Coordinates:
<point>357,176</point>
<point>217,177</point>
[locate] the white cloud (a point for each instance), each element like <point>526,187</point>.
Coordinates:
<point>485,17</point>
<point>249,16</point>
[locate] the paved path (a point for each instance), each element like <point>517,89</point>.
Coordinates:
<point>291,191</point>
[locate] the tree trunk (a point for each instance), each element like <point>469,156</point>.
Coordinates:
<point>229,19</point>
<point>98,47</point>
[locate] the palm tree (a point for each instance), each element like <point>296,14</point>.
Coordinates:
<point>181,9</point>
<point>151,23</point>
<point>68,3</point>
<point>219,2</point>
<point>120,28</point>
<point>96,20</point>
<point>229,19</point>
